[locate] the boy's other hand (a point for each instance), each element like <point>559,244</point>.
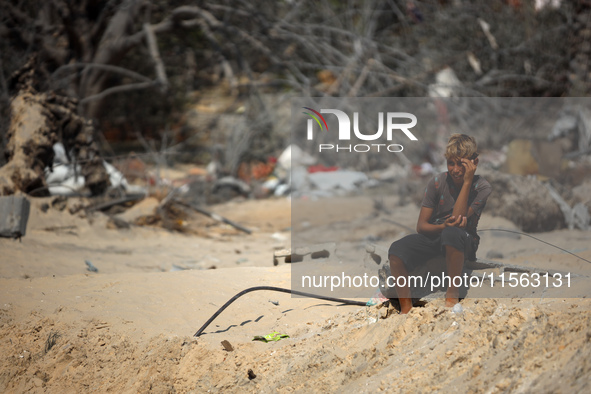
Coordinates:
<point>470,166</point>
<point>453,221</point>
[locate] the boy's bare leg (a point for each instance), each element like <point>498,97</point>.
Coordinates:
<point>455,262</point>
<point>397,269</point>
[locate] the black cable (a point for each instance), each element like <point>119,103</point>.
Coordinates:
<point>537,239</point>
<point>208,322</point>
<point>399,225</point>
<point>500,229</point>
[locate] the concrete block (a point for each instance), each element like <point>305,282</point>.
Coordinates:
<point>14,215</point>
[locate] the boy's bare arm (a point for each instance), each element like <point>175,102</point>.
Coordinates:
<point>461,206</point>
<point>426,228</point>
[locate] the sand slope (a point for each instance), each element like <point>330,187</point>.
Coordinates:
<point>129,327</point>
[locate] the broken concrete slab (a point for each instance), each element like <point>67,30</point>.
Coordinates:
<point>14,215</point>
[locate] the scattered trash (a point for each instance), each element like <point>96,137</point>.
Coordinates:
<point>289,171</point>
<point>279,237</point>
<point>251,375</point>
<point>276,303</point>
<point>309,253</point>
<point>457,309</point>
<point>446,84</point>
<point>90,267</point>
<point>378,298</point>
<point>227,346</point>
<point>294,156</point>
<point>232,186</point>
<point>282,190</point>
<point>474,63</point>
<point>541,4</point>
<point>272,337</point>
<point>271,183</point>
<point>118,181</point>
<point>486,29</point>
<point>65,178</point>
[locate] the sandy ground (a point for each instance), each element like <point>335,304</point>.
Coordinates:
<point>129,327</point>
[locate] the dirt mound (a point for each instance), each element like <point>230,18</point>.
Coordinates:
<point>493,344</point>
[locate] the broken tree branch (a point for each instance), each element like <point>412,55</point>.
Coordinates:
<point>107,67</point>
<point>155,54</point>
<point>214,216</point>
<point>118,89</point>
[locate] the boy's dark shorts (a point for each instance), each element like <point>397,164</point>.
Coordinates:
<point>416,249</point>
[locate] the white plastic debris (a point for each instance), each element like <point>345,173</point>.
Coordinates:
<point>294,156</point>
<point>64,179</point>
<point>446,84</point>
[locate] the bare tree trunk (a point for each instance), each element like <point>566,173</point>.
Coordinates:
<point>37,122</point>
<point>30,145</point>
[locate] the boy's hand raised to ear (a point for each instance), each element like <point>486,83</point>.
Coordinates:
<point>453,221</point>
<point>470,166</point>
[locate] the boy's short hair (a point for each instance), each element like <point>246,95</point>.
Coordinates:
<point>461,146</point>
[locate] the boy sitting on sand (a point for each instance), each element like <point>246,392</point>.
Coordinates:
<point>447,222</point>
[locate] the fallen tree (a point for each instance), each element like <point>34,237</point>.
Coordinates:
<point>37,122</point>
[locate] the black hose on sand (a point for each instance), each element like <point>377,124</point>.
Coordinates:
<point>282,290</point>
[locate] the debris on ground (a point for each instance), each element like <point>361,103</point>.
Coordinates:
<point>90,267</point>
<point>227,346</point>
<point>525,201</point>
<point>574,124</point>
<point>64,178</point>
<point>14,215</point>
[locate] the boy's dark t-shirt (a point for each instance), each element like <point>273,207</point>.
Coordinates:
<point>441,194</point>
